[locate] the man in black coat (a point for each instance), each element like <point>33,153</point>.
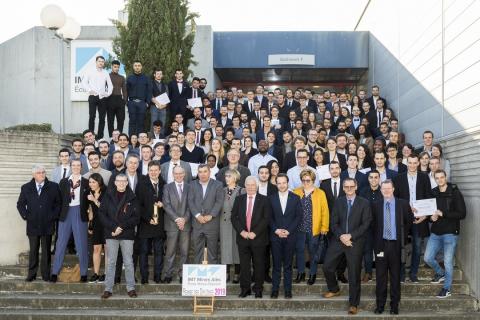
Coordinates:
<point>414,185</point>
<point>177,91</point>
<point>39,204</point>
<point>151,229</point>
<point>250,219</point>
<point>351,219</point>
<point>392,219</point>
<point>120,214</point>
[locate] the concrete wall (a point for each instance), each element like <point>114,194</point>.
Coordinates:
<point>425,57</point>
<point>30,82</point>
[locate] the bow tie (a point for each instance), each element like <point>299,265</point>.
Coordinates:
<point>179,81</point>
<point>356,120</point>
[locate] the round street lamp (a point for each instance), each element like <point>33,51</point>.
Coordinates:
<point>71,29</point>
<point>52,17</point>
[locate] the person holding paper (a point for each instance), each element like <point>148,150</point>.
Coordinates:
<point>158,110</point>
<point>414,185</point>
<point>445,230</point>
<point>194,97</point>
<point>392,219</point>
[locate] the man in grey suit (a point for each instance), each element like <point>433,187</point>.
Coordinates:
<point>177,222</point>
<point>63,170</point>
<point>197,114</point>
<point>167,167</point>
<point>205,201</point>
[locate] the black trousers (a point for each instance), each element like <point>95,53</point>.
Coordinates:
<point>386,267</point>
<point>115,109</point>
<point>45,261</point>
<point>94,103</point>
<point>353,255</point>
<point>249,253</point>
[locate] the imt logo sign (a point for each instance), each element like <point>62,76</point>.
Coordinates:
<point>83,54</point>
<point>204,280</point>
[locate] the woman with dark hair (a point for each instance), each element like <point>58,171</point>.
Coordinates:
<point>407,150</point>
<point>332,155</point>
<point>253,124</point>
<point>355,102</point>
<point>206,140</point>
<point>424,161</point>
<point>351,148</point>
<point>364,157</point>
<point>95,227</point>
<point>134,142</point>
<point>363,136</point>
<point>274,170</point>
<point>248,148</point>
<point>437,151</point>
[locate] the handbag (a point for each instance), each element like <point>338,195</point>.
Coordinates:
<point>70,274</point>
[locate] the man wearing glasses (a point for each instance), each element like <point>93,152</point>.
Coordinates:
<point>351,220</point>
<point>39,204</point>
<point>294,173</point>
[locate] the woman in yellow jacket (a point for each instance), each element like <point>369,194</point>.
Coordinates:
<point>315,223</point>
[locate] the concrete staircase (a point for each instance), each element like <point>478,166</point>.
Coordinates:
<point>41,300</point>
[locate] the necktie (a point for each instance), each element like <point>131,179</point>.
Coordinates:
<point>249,212</point>
<point>388,222</point>
<point>335,193</point>
<point>180,191</point>
<point>257,114</point>
<point>39,189</point>
<point>379,118</point>
<point>349,208</point>
<point>250,107</point>
<point>64,172</point>
<point>155,186</point>
<point>197,140</point>
<point>194,93</point>
<point>218,104</point>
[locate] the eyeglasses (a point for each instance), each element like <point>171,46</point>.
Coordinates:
<point>121,181</point>
<point>349,187</point>
<point>306,180</point>
<point>302,157</point>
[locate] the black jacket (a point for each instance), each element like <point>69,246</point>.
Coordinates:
<point>65,194</point>
<point>260,219</point>
<point>359,220</point>
<point>124,214</point>
<point>146,198</point>
<point>40,211</point>
<point>423,191</point>
<point>452,205</point>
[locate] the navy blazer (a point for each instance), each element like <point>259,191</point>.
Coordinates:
<point>288,220</point>
<point>361,178</point>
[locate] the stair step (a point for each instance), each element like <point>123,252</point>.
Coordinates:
<point>120,314</point>
<point>456,302</point>
<point>174,288</point>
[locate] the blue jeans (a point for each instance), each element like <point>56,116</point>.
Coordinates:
<point>157,114</point>
<point>435,243</point>
<point>313,245</point>
<point>368,252</point>
<point>136,117</point>
<point>416,251</point>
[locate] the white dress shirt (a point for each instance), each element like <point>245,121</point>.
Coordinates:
<point>170,170</point>
<point>76,192</point>
<point>283,200</point>
<point>263,188</point>
<point>98,80</point>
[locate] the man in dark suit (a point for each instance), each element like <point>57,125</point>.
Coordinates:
<point>250,219</point>
<point>286,215</point>
<point>375,117</point>
<point>413,185</point>
<point>39,205</point>
<point>373,99</point>
<point>352,172</point>
<point>380,161</point>
<point>392,219</point>
<point>192,93</point>
<point>219,101</point>
<point>158,111</point>
<point>351,219</point>
<point>177,91</point>
<point>151,231</point>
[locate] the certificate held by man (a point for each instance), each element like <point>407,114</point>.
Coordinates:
<point>426,207</point>
<point>163,98</point>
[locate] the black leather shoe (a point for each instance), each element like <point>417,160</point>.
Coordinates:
<point>144,281</point>
<point>245,293</point>
<point>268,279</point>
<point>83,279</point>
<point>180,279</point>
<point>258,295</point>
<point>157,280</point>
<point>300,278</point>
<point>394,310</point>
<point>342,279</point>
<point>274,295</point>
<point>312,279</point>
<point>30,278</point>
<point>118,280</point>
<point>53,278</point>
<point>288,294</point>
<point>228,277</point>
<point>167,279</point>
<point>378,311</point>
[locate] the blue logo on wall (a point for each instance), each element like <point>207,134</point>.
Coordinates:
<point>84,56</point>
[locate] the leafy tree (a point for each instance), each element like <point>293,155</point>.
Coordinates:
<point>159,33</point>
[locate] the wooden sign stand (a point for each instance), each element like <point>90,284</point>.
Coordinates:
<point>205,309</point>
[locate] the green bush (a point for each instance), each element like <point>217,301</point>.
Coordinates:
<point>42,127</point>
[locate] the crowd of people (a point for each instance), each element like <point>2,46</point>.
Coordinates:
<point>267,178</point>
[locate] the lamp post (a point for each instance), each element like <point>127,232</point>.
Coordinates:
<point>65,30</point>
